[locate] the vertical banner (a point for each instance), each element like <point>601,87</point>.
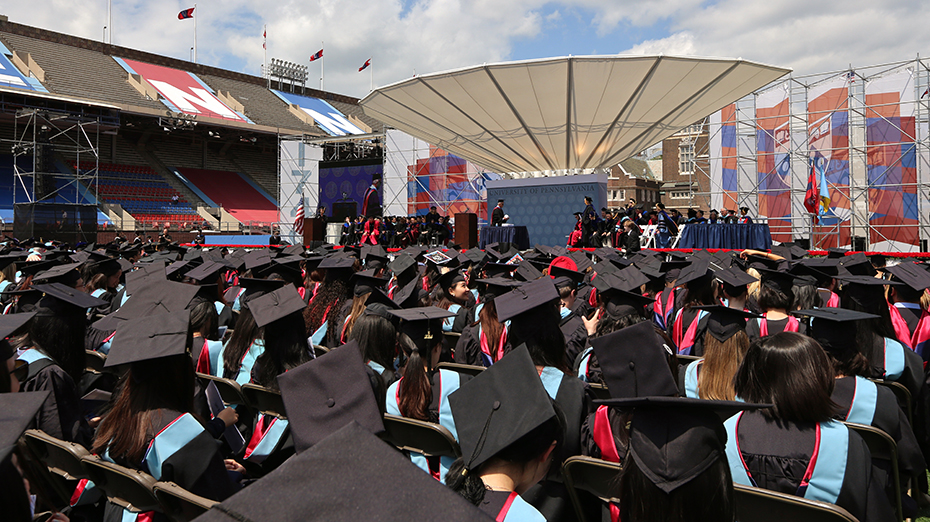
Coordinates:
<point>773,162</point>
<point>299,179</point>
<point>892,162</point>
<point>828,139</point>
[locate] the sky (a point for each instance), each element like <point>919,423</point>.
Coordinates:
<point>404,38</point>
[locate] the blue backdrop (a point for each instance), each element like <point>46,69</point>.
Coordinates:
<point>354,181</point>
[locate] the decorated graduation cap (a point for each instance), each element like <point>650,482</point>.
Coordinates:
<point>8,325</point>
<point>317,485</point>
<point>59,298</point>
<point>149,337</point>
<point>275,305</point>
<point>834,327</point>
<point>525,298</point>
<point>323,395</point>
<point>724,322</point>
<point>423,325</point>
<point>911,274</point>
<point>489,416</point>
<point>673,440</point>
<point>366,281</point>
<point>18,412</point>
<point>634,362</point>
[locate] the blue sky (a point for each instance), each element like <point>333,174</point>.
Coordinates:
<point>433,35</point>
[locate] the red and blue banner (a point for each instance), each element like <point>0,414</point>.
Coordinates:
<point>828,139</point>
<point>317,55</point>
<point>773,161</point>
<point>891,162</point>
<point>186,13</point>
<point>448,182</point>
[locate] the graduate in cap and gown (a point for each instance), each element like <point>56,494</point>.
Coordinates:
<point>484,342</point>
<point>796,447</point>
<point>151,426</point>
<point>509,431</point>
<point>776,300</point>
<point>322,314</point>
<point>375,334</point>
<point>19,409</point>
<point>911,322</point>
<point>725,344</point>
<point>687,329</point>
<point>572,324</point>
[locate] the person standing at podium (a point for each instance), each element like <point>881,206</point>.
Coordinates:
<point>370,204</point>
<point>497,215</point>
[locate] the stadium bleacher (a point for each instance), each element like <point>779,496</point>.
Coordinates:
<point>243,199</point>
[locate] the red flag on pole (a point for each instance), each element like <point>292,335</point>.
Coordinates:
<point>317,56</point>
<point>365,65</point>
<point>186,13</point>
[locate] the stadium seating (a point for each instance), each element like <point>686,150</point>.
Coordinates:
<point>235,193</point>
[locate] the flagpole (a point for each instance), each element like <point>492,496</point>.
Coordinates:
<point>322,74</point>
<point>195,32</point>
<point>371,76</point>
<point>265,49</point>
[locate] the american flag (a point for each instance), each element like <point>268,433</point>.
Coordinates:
<point>299,219</point>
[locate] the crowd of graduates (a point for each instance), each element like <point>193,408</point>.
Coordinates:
<point>693,372</point>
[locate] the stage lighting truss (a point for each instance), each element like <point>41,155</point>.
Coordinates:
<point>285,71</point>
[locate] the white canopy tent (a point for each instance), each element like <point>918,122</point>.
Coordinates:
<point>563,113</point>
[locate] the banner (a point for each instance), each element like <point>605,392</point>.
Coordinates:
<point>723,156</point>
<point>892,162</point>
<point>324,115</point>
<point>299,181</point>
<point>773,162</point>
<point>828,138</point>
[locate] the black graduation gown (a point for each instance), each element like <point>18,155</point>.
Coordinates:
<point>777,454</point>
<point>576,335</point>
<point>468,347</point>
<point>196,466</point>
<point>752,328</point>
<point>61,416</point>
<point>911,317</point>
<point>590,446</point>
<point>913,375</point>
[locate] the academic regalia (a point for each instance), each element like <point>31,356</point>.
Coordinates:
<point>61,416</point>
<point>575,332</point>
<point>474,348</point>
<point>776,455</point>
<point>893,361</point>
<point>687,331</point>
<point>758,328</point>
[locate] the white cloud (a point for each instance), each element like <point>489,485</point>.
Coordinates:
<point>678,44</point>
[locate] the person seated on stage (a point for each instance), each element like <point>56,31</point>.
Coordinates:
<point>714,217</point>
<point>628,240</point>
<point>574,239</point>
<point>498,217</point>
<point>346,235</point>
<point>796,447</point>
<point>510,431</point>
<point>744,218</point>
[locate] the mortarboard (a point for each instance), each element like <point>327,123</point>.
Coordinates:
<point>365,282</point>
<point>499,406</point>
<point>865,290</point>
<point>67,275</point>
<point>157,297</point>
<point>617,297</point>
<point>207,273</point>
<point>673,440</point>
<point>634,362</point>
<point>911,274</point>
<point>17,412</point>
<point>378,303</point>
<point>317,485</point>
<point>149,337</point>
<point>57,294</point>
<point>724,322</point>
<point>496,286</point>
<point>401,264</point>
<point>275,305</point>
<point>257,259</point>
<point>9,323</point>
<point>582,261</point>
<point>526,271</point>
<point>34,267</point>
<point>832,326</point>
<point>734,277</point>
<point>696,271</point>
<point>563,276</point>
<point>257,287</point>
<point>323,395</point>
<point>408,295</point>
<point>836,253</point>
<point>450,278</point>
<point>858,264</point>
<point>777,280</point>
<point>498,269</point>
<point>422,324</point>
<point>525,298</point>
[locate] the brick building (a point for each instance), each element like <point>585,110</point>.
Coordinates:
<point>685,165</point>
<point>632,178</point>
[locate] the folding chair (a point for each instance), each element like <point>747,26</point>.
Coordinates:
<point>465,369</point>
<point>228,388</point>
<point>762,505</point>
<point>319,350</point>
<point>93,361</point>
<point>902,394</point>
<point>882,447</point>
<point>62,458</point>
<point>265,400</point>
<point>419,436</point>
<point>595,476</point>
<point>179,503</point>
<point>128,488</point>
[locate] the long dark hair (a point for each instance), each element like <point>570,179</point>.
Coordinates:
<point>521,451</point>
<point>241,340</point>
<point>790,371</point>
<point>416,390</point>
<point>376,338</point>
<point>285,348</point>
<point>806,297</point>
<point>332,296</point>
<point>60,335</point>
<point>163,383</point>
<point>708,497</point>
<point>205,320</point>
<point>539,330</point>
<point>490,326</point>
<point>770,298</point>
<point>869,330</point>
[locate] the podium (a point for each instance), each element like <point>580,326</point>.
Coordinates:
<point>466,230</point>
<point>314,230</point>
<point>344,209</point>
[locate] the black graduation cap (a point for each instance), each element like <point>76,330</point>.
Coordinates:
<point>8,324</point>
<point>207,273</point>
<point>450,278</point>
<point>698,270</point>
<point>632,278</point>
<point>911,274</point>
<point>375,257</point>
<point>475,254</point>
<point>858,264</point>
<point>777,280</point>
<point>836,253</point>
<point>157,297</point>
<point>323,395</point>
<point>365,282</point>
<point>499,406</point>
<point>496,286</point>
<point>634,362</point>
<point>617,297</point>
<point>337,263</point>
<point>380,304</point>
<point>673,440</point>
<point>7,260</point>
<point>833,326</point>
<point>422,324</point>
<point>176,268</point>
<point>401,264</point>
<point>57,294</point>
<point>734,277</point>
<point>761,262</point>
<point>498,269</point>
<point>293,250</point>
<point>149,337</point>
<point>147,273</point>
<point>820,267</point>
<point>525,298</point>
<point>865,289</point>
<point>565,276</point>
<point>256,287</point>
<point>34,267</point>
<point>285,262</point>
<point>724,322</point>
<point>526,271</point>
<point>582,261</point>
<point>276,305</point>
<point>65,274</point>
<point>605,253</point>
<point>108,266</point>
<point>17,412</point>
<point>407,295</point>
<point>318,485</point>
<point>722,259</point>
<point>257,259</point>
